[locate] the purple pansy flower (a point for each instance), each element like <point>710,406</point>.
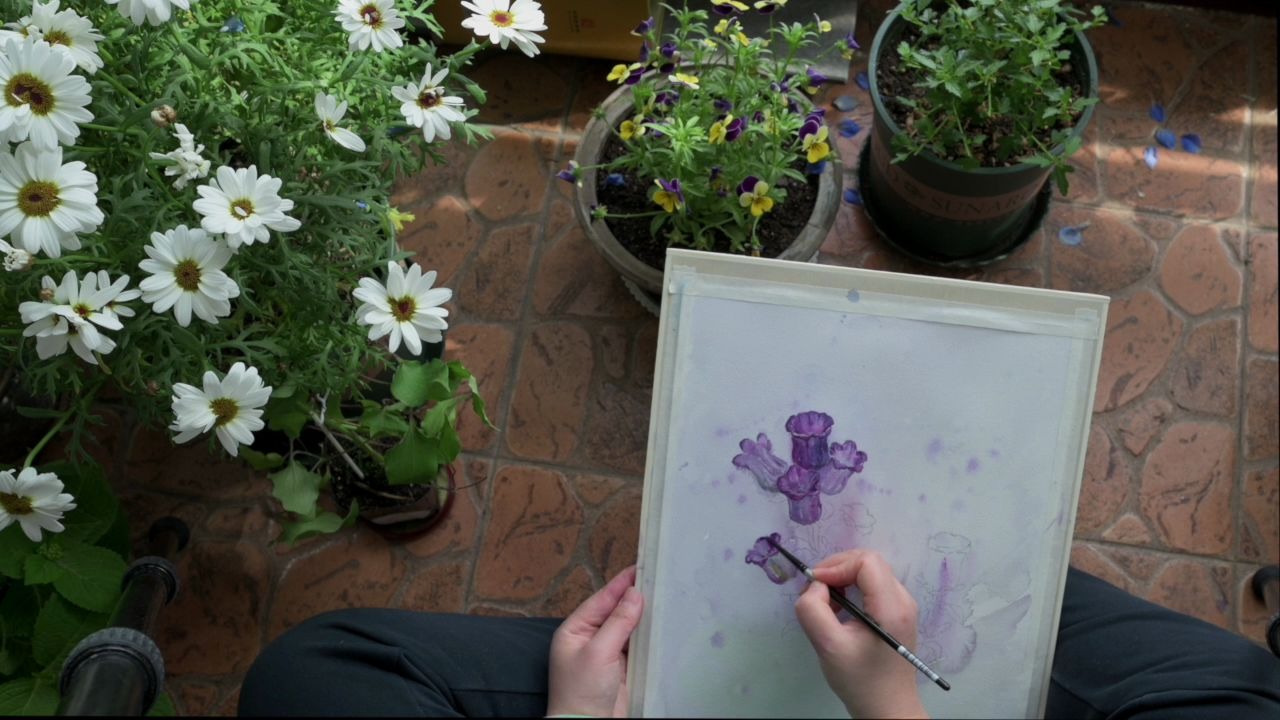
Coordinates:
<point>765,555</point>
<point>815,78</point>
<point>757,117</point>
<point>721,105</point>
<point>810,127</point>
<point>781,87</point>
<point>570,173</point>
<point>673,186</point>
<point>715,171</point>
<point>643,28</point>
<point>850,42</point>
<point>634,76</point>
<point>644,52</point>
<point>809,431</point>
<point>668,50</point>
<point>800,487</point>
<point>667,67</point>
<point>734,129</point>
<point>765,7</point>
<point>748,185</point>
<point>666,97</point>
<point>758,458</point>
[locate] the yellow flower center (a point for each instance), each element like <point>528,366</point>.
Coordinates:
<point>27,89</point>
<point>57,37</point>
<point>38,198</point>
<point>225,410</point>
<point>242,208</point>
<point>430,98</point>
<point>15,504</point>
<point>403,309</point>
<point>82,310</point>
<point>502,18</point>
<point>372,17</point>
<point>187,275</point>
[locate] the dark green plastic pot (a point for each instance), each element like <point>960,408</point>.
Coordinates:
<point>942,213</point>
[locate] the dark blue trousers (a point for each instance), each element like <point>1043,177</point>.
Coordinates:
<point>1117,657</point>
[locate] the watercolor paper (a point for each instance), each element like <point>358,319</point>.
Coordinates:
<point>940,422</point>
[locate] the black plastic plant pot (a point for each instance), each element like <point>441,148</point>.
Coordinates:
<point>939,212</point>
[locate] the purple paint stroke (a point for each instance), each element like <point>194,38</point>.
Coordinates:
<point>728,554</point>
<point>809,431</point>
<point>972,466</point>
<point>946,639</point>
<point>717,640</point>
<point>921,498</point>
<point>742,499</point>
<point>800,487</point>
<point>765,555</point>
<point>758,458</point>
<point>934,451</point>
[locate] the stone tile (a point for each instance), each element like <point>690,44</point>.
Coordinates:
<point>144,508</point>
<point>1086,557</point>
<point>616,432</point>
<point>442,238</point>
<point>595,489</point>
<point>611,347</point>
<point>486,352</point>
<point>1142,62</point>
<point>1196,186</point>
<point>575,279</point>
<point>192,698</point>
<point>645,356</point>
<point>1197,272</point>
<point>358,569</point>
<point>1157,227</point>
<point>231,705</point>
<point>522,91</point>
<point>1261,424</point>
<point>569,594</point>
<point>1083,179</point>
<point>551,392</point>
<point>1206,375</point>
<point>615,537</point>
<point>1254,615</point>
<point>457,531</point>
<point>205,473</point>
<point>493,288</point>
<point>1130,530</point>
<point>1262,201</point>
<point>1260,517</point>
<point>851,236</point>
<point>531,534</point>
<point>491,611</point>
<point>1142,422</point>
<point>507,178</point>
<point>1112,254</point>
<point>1024,277</point>
<point>1200,589</point>
<point>438,588</point>
<point>1138,563</point>
<point>592,90</point>
<point>445,168</point>
<point>1105,487</point>
<point>559,217</point>
<point>220,606</point>
<point>1263,328</point>
<point>1216,105</point>
<point>1141,336</point>
<point>1264,57</point>
<point>1187,486</point>
<point>251,522</point>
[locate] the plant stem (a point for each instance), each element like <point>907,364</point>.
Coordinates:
<point>319,421</point>
<point>31,456</point>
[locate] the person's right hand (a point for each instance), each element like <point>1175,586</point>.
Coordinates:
<point>866,674</point>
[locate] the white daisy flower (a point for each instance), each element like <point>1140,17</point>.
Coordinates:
<point>34,500</point>
<point>426,106</point>
<point>231,407</point>
<point>505,21</point>
<point>370,23</point>
<point>42,100</point>
<point>72,315</point>
<point>44,204</point>
<point>65,31</point>
<point>155,12</point>
<point>186,161</point>
<point>15,259</point>
<point>330,112</point>
<point>406,307</point>
<point>117,305</point>
<point>242,206</point>
<point>186,275</point>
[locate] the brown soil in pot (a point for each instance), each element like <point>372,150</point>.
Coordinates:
<point>777,229</point>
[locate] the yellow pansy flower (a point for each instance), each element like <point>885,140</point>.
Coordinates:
<point>632,128</point>
<point>757,199</point>
<point>824,26</point>
<point>685,79</point>
<point>718,130</point>
<point>723,26</point>
<point>399,219</point>
<point>815,145</point>
<point>620,72</point>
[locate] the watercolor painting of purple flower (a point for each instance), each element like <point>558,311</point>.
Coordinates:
<point>765,555</point>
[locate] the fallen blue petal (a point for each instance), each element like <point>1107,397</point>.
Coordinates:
<point>397,131</point>
<point>845,103</point>
<point>615,180</point>
<point>1191,143</point>
<point>815,168</point>
<point>1072,234</point>
<point>849,128</point>
<point>1111,17</point>
<point>362,205</point>
<point>853,197</point>
<point>1157,112</point>
<point>1150,157</point>
<point>232,25</point>
<point>1166,139</point>
<point>863,81</point>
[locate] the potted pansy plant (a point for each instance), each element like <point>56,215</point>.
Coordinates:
<point>712,142</point>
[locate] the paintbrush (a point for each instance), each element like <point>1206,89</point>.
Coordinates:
<point>862,615</point>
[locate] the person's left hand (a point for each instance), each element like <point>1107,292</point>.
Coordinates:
<point>589,652</point>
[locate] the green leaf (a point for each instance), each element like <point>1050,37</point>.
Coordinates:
<point>287,414</point>
<point>415,460</point>
<point>59,627</point>
<point>28,696</point>
<point>116,538</point>
<point>450,445</point>
<point>91,577</point>
<point>415,383</point>
<point>477,402</point>
<point>162,707</point>
<point>18,610</point>
<point>435,419</point>
<point>381,420</point>
<point>261,461</point>
<point>96,505</point>
<point>14,549</point>
<point>324,523</point>
<point>297,489</point>
<point>40,570</point>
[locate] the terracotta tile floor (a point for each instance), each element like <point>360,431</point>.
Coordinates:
<point>1180,496</point>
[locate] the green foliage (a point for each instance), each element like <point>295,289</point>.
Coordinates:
<point>682,138</point>
<point>992,81</point>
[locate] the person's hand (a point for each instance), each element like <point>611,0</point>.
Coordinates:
<point>589,652</point>
<point>868,676</point>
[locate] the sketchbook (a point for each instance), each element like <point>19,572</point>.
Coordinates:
<point>940,422</point>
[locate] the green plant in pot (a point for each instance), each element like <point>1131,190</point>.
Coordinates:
<point>978,106</point>
<point>710,142</point>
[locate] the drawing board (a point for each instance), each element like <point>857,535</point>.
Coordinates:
<point>937,421</point>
